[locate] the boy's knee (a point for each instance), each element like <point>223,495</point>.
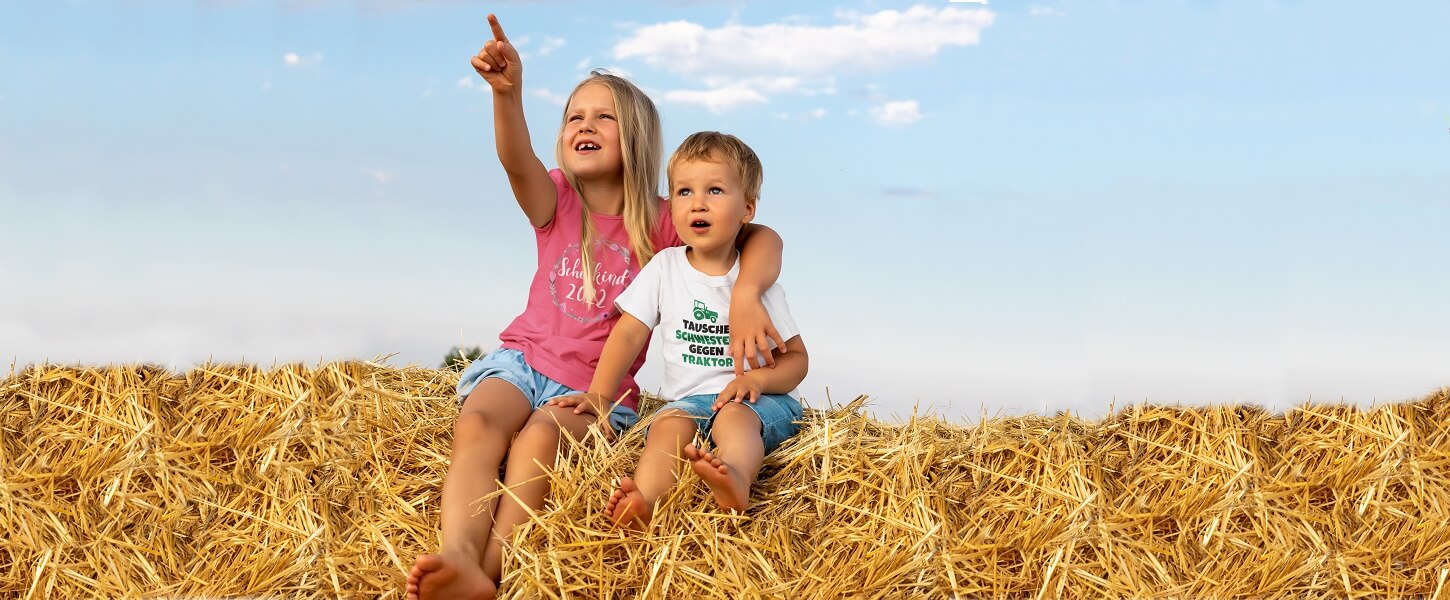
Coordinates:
<point>736,414</point>
<point>674,419</point>
<point>672,426</point>
<point>736,410</point>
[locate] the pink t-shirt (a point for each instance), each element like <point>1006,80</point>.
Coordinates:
<point>560,334</point>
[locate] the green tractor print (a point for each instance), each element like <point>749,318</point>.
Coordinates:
<point>703,312</point>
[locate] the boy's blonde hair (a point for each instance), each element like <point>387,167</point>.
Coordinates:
<point>641,145</point>
<point>724,148</point>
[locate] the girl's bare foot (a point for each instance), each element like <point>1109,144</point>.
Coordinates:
<point>448,576</point>
<point>732,491</point>
<point>627,506</point>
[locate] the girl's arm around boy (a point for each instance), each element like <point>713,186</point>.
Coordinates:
<point>750,326</point>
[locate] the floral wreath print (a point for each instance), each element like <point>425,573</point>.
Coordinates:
<point>574,292</point>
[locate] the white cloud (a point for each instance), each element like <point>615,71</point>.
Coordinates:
<point>383,177</point>
<point>743,64</point>
<point>550,45</point>
<point>521,44</point>
<point>874,42</point>
<point>472,82</point>
<point>549,96</point>
<point>1045,11</point>
<point>584,64</point>
<point>773,84</point>
<point>293,59</point>
<point>810,115</point>
<point>897,112</point>
<point>716,101</point>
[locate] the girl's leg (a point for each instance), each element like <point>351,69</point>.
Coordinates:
<point>658,470</point>
<point>490,416</point>
<point>739,454</point>
<point>535,449</point>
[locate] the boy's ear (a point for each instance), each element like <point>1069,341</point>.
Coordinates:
<point>749,212</point>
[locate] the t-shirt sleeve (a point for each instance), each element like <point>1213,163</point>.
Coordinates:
<point>775,305</point>
<point>642,298</point>
<point>563,195</point>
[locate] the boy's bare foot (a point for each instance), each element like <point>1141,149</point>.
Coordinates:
<point>731,490</point>
<point>627,506</point>
<point>448,576</point>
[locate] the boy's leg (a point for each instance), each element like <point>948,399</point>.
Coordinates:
<point>739,454</point>
<point>535,449</point>
<point>490,416</point>
<point>658,470</point>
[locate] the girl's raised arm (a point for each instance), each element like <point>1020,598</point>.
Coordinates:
<point>498,63</point>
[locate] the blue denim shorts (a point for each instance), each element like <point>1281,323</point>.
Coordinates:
<point>779,414</point>
<point>508,365</point>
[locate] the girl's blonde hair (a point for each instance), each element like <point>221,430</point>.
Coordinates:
<point>641,145</point>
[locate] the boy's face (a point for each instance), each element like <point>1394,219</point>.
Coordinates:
<point>707,203</point>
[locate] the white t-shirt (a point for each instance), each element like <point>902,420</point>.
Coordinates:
<point>692,310</point>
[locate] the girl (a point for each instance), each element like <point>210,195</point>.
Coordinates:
<point>597,220</point>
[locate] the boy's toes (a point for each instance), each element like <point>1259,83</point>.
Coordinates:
<point>714,460</point>
<point>628,507</point>
<point>626,486</point>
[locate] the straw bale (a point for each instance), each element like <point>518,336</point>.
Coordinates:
<point>323,481</point>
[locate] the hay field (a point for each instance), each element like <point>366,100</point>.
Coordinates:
<point>296,481</point>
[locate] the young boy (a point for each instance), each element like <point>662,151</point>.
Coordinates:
<point>714,185</point>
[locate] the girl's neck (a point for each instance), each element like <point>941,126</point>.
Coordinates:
<point>604,196</point>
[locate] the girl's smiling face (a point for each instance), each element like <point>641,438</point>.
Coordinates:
<point>590,138</point>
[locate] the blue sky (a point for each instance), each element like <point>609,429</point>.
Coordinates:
<point>1014,207</point>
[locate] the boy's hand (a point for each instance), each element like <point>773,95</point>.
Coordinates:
<point>584,404</point>
<point>498,61</point>
<point>744,387</point>
<point>751,332</point>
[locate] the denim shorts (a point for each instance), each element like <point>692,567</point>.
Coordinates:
<point>779,415</point>
<point>508,364</point>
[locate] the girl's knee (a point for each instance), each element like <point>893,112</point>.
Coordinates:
<point>541,424</point>
<point>476,425</point>
<point>494,408</point>
<point>552,422</point>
